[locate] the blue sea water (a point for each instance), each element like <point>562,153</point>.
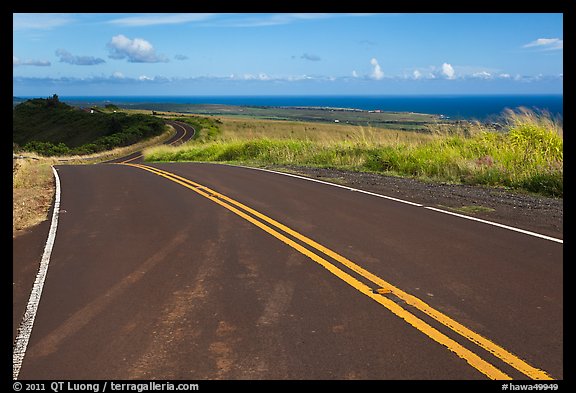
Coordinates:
<point>478,107</point>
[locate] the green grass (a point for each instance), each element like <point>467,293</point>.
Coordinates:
<point>472,209</point>
<point>207,129</point>
<point>527,155</point>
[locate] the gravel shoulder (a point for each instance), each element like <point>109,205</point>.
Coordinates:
<point>525,211</point>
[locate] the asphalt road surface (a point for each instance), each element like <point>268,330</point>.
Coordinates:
<point>202,271</point>
<point>184,132</point>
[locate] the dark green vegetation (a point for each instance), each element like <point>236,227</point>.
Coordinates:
<point>50,127</point>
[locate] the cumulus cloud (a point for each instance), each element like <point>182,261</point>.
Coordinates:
<point>377,72</point>
<point>67,57</point>
<point>135,50</point>
<point>482,75</point>
<point>261,77</point>
<point>448,71</point>
<point>172,84</point>
<point>546,44</point>
<point>16,62</point>
<point>355,74</point>
<point>311,57</point>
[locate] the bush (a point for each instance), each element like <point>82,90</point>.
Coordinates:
<point>50,127</point>
<point>47,148</point>
<point>536,142</point>
<point>546,183</point>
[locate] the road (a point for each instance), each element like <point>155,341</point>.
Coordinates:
<point>204,271</point>
<point>184,132</point>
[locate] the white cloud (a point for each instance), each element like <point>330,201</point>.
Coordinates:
<point>174,83</point>
<point>251,77</point>
<point>482,75</point>
<point>292,78</point>
<point>67,57</point>
<point>259,20</point>
<point>546,44</point>
<point>377,72</point>
<point>354,74</point>
<point>137,50</point>
<point>448,71</point>
<point>31,21</point>
<point>160,19</point>
<point>16,62</point>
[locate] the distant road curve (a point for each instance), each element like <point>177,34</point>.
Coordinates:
<point>184,132</point>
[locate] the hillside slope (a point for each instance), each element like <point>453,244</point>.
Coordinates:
<point>50,127</point>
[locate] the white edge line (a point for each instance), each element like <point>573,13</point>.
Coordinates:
<point>498,225</point>
<point>332,184</point>
<point>411,203</point>
<point>25,329</point>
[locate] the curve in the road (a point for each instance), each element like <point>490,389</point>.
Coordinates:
<point>379,294</point>
<point>476,350</point>
<point>184,132</point>
<point>496,224</point>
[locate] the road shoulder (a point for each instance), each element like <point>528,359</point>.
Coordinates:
<point>529,212</point>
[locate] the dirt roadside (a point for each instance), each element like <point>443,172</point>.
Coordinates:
<point>529,212</point>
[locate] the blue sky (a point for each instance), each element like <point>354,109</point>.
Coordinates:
<point>276,54</point>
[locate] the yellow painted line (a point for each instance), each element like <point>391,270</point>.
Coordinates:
<point>385,287</point>
<point>171,143</point>
<point>474,337</point>
<point>185,132</point>
<point>131,159</point>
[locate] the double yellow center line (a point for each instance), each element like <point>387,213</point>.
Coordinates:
<point>171,143</point>
<point>380,294</point>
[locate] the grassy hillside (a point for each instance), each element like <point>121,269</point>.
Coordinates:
<point>50,127</point>
<point>527,154</point>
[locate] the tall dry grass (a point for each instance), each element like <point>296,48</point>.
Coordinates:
<point>525,153</point>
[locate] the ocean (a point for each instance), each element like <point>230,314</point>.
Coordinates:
<point>469,107</point>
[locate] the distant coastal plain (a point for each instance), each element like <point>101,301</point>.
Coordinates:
<point>457,107</point>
